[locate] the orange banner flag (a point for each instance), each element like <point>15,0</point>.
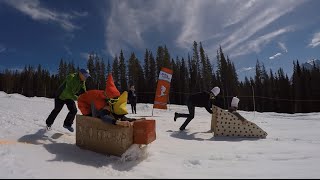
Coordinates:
<point>163,89</point>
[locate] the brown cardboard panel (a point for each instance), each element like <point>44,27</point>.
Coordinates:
<point>95,135</point>
<point>144,131</point>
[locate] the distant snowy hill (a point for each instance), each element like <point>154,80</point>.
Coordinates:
<point>309,64</point>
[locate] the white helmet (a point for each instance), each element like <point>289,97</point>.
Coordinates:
<point>215,90</point>
<point>234,102</point>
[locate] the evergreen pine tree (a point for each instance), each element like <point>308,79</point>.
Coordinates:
<point>115,71</point>
<point>122,73</point>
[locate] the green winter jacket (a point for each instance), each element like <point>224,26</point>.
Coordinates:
<point>71,86</point>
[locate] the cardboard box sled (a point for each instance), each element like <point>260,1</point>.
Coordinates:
<point>95,135</point>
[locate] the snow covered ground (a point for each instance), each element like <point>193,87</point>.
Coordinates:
<point>291,149</point>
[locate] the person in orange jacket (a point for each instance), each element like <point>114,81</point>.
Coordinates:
<point>99,103</point>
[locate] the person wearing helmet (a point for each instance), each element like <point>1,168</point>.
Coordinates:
<point>202,99</point>
<point>67,94</point>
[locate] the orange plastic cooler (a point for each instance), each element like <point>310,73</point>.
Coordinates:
<point>144,131</point>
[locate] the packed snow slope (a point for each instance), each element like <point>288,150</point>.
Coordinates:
<point>291,149</point>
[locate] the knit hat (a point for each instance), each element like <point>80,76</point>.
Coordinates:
<point>234,102</point>
<point>111,89</point>
<point>215,90</point>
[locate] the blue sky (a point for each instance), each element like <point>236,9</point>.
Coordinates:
<point>274,31</point>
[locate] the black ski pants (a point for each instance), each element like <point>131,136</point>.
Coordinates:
<point>58,105</point>
<point>189,116</point>
<point>134,107</point>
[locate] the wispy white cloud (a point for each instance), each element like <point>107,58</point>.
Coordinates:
<point>256,44</point>
<point>127,30</point>
<point>276,55</point>
<point>245,69</point>
<point>2,48</point>
<point>241,13</point>
<point>283,47</point>
<point>84,55</point>
<point>233,24</point>
<point>19,69</point>
<point>67,50</point>
<point>247,18</point>
<point>80,14</point>
<point>268,13</point>
<point>37,11</point>
<point>315,40</point>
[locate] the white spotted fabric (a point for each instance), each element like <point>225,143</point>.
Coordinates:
<point>224,123</point>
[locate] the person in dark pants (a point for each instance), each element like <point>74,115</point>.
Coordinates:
<point>132,98</point>
<point>202,99</point>
<point>67,94</point>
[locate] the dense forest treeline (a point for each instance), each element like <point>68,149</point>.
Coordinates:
<point>267,91</point>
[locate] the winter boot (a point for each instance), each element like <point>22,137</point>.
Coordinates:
<point>48,128</point>
<point>70,128</point>
<point>176,115</point>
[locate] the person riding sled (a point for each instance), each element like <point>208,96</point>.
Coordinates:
<point>108,105</point>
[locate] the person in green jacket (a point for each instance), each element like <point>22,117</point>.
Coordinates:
<point>67,94</point>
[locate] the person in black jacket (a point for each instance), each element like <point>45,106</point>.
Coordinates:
<point>132,98</point>
<point>202,99</point>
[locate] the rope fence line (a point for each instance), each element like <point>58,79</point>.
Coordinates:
<point>261,97</point>
<point>280,99</point>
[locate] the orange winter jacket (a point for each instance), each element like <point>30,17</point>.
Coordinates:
<point>96,97</point>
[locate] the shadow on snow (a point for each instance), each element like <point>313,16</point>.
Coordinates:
<point>192,136</point>
<point>66,152</point>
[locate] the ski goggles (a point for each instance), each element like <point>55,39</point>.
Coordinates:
<point>112,100</point>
